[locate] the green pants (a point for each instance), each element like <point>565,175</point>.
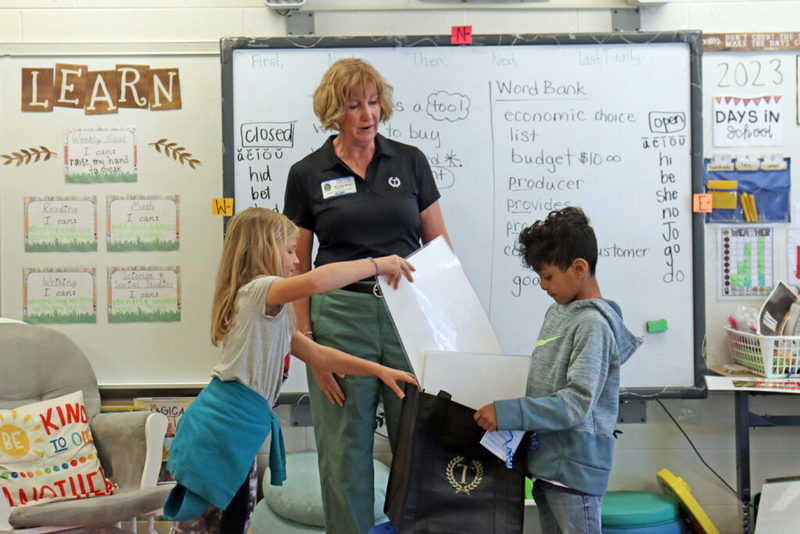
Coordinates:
<point>358,324</point>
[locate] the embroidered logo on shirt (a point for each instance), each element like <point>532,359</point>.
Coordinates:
<point>394,181</point>
<point>540,342</point>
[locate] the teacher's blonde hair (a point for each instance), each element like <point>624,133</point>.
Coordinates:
<point>344,79</point>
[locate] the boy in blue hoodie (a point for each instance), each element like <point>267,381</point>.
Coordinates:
<point>572,396</point>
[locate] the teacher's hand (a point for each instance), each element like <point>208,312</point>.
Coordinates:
<point>394,268</point>
<point>329,386</point>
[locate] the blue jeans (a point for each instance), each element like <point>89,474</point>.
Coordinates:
<point>565,511</point>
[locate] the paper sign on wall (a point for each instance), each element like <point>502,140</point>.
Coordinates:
<point>746,260</point>
<point>144,294</point>
<point>65,295</point>
<point>139,222</point>
<point>751,121</point>
<point>61,224</point>
<point>99,155</point>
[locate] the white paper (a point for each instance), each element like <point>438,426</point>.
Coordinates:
<point>473,379</point>
<point>439,310</point>
<point>502,443</point>
<point>777,510</point>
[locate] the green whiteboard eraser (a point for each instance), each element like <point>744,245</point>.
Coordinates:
<point>657,326</point>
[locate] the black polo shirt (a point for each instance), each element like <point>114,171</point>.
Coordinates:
<point>354,218</point>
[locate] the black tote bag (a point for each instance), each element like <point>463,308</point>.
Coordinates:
<point>442,480</point>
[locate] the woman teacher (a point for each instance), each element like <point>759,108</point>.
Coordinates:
<point>363,196</point>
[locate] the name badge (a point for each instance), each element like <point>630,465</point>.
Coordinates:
<point>338,187</point>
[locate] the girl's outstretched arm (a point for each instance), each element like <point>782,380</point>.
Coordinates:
<point>327,383</point>
<point>337,275</point>
<point>336,361</point>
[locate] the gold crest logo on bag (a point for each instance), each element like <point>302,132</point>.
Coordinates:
<point>461,469</point>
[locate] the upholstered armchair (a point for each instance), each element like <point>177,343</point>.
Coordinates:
<point>38,363</point>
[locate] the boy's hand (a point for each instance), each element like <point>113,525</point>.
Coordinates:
<point>486,418</point>
<point>394,268</point>
<point>391,377</point>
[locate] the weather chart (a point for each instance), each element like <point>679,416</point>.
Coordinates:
<point>747,260</point>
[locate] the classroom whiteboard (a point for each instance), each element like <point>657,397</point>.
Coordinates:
<point>514,127</point>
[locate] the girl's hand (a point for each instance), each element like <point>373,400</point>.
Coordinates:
<point>391,377</point>
<point>394,268</point>
<point>486,418</point>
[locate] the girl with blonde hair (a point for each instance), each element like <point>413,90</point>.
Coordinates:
<point>222,430</point>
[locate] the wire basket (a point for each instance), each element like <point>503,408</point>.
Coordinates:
<point>768,356</point>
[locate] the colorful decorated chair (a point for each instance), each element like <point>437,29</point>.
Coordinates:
<point>38,364</point>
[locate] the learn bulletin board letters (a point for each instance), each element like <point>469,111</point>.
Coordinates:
<point>100,91</point>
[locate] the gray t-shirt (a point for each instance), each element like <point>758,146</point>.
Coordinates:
<point>257,344</point>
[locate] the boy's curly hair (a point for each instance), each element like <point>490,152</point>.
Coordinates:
<point>559,239</point>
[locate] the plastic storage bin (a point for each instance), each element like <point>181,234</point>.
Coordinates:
<point>768,356</point>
